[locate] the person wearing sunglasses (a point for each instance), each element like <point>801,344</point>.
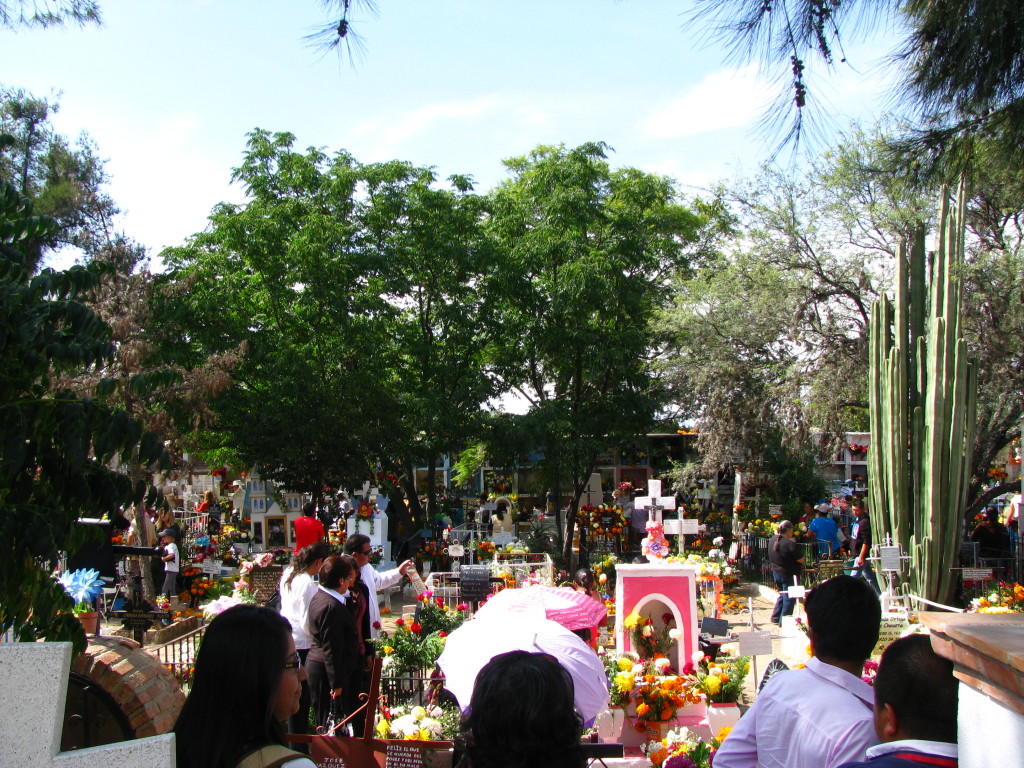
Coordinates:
<point>358,545</point>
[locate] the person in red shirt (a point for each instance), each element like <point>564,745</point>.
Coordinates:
<point>308,530</point>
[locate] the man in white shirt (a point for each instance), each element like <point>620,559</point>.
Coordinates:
<point>819,716</point>
<point>358,545</point>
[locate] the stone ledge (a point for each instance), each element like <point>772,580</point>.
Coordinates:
<point>164,634</point>
<point>987,651</point>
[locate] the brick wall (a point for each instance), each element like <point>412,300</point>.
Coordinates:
<point>143,688</point>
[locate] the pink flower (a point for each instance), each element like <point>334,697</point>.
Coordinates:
<point>263,559</point>
<point>461,607</point>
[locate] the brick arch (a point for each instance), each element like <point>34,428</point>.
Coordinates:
<point>143,688</point>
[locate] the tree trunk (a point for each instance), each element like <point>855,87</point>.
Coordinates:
<point>979,503</point>
<point>431,489</point>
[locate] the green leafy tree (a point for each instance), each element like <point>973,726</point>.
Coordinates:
<point>587,253</point>
<point>64,180</point>
<point>771,337</point>
<point>57,449</point>
<point>437,258</point>
<point>286,279</point>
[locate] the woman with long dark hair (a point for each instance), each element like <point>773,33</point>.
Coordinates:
<point>297,589</point>
<point>522,715</point>
<point>333,655</point>
<point>247,681</point>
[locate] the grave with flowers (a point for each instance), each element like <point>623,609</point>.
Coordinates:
<point>371,520</point>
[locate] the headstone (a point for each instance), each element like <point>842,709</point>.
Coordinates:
<point>977,574</point>
<point>689,526</point>
<point>714,627</point>
<point>475,584</point>
<point>654,589</point>
<point>774,509</point>
<point>890,558</point>
<point>594,495</point>
<point>34,681</point>
<point>264,582</point>
<point>758,643</point>
<point>890,630</point>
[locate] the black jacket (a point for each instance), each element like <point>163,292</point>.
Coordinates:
<point>333,629</point>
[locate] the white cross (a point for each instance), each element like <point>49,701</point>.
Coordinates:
<point>34,681</point>
<point>654,501</point>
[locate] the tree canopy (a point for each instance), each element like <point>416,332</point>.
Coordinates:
<point>587,254</point>
<point>770,337</point>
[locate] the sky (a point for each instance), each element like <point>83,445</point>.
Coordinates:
<point>169,90</point>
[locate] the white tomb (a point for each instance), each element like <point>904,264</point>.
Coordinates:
<point>376,528</point>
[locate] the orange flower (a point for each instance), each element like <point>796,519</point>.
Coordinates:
<point>642,709</point>
<point>666,713</point>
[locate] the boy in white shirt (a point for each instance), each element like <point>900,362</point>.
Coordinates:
<point>171,563</point>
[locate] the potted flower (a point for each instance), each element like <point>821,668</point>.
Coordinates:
<point>721,682</point>
<point>621,682</point>
<point>658,695</point>
<point>84,586</point>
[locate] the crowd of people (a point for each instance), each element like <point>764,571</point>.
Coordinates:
<point>258,672</point>
<point>261,673</point>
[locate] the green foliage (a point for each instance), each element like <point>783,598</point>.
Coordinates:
<point>56,447</point>
<point>346,285</point>
<point>771,337</point>
<point>64,180</point>
<point>586,251</point>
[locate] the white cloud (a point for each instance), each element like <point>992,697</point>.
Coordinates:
<point>729,98</point>
<point>396,129</point>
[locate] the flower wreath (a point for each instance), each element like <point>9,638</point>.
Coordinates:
<point>366,511</point>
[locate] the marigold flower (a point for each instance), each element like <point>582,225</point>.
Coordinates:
<point>642,709</point>
<point>624,664</point>
<point>631,621</point>
<point>712,684</point>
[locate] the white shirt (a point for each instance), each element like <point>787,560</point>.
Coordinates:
<point>295,605</point>
<point>375,581</point>
<point>940,748</point>
<point>171,566</point>
<point>817,717</point>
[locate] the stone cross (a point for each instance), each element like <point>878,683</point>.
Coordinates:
<point>654,502</point>
<point>34,681</point>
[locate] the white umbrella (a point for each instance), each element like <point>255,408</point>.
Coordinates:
<point>476,642</point>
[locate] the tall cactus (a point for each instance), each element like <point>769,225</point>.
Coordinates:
<point>923,400</point>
